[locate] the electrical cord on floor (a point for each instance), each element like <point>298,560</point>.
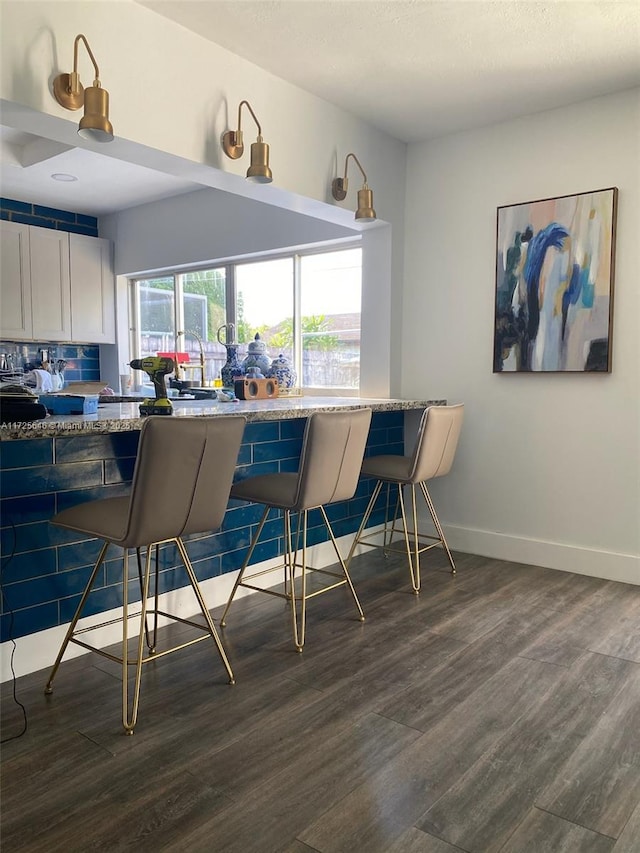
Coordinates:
<point>3,568</point>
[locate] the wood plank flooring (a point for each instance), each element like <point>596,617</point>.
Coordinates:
<point>497,711</point>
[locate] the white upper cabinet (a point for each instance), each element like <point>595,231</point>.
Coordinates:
<point>92,290</point>
<point>55,286</point>
<point>50,285</point>
<point>15,281</point>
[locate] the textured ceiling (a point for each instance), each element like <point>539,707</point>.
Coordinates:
<point>419,69</point>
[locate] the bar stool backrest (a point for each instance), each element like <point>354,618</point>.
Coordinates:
<point>182,477</point>
<point>436,443</point>
<point>332,453</point>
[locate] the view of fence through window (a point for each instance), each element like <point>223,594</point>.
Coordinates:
<point>330,304</point>
<point>323,291</point>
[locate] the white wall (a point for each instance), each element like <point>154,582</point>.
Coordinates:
<point>174,91</point>
<point>548,469</point>
<point>207,225</point>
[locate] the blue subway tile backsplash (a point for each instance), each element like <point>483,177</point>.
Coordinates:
<point>10,205</point>
<point>53,213</point>
<point>29,620</point>
<point>44,568</point>
<point>83,448</point>
<point>26,453</point>
<point>25,510</point>
<point>48,217</point>
<point>82,360</point>
<point>29,219</point>
<point>51,478</point>
<point>22,567</point>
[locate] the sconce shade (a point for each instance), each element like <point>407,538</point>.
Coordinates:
<point>233,146</point>
<point>259,171</point>
<point>340,186</point>
<point>70,94</point>
<point>95,124</point>
<point>365,205</point>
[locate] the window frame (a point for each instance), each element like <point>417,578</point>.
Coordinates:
<point>229,266</point>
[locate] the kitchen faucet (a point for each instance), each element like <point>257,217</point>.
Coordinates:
<point>188,365</point>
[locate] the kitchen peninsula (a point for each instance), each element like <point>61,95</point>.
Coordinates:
<point>125,416</point>
<point>64,460</point>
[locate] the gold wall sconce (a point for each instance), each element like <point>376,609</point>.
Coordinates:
<point>233,146</point>
<point>70,94</point>
<point>339,188</point>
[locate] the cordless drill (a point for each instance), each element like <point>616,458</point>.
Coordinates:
<point>157,368</point>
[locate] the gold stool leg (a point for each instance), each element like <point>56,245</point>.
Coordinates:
<point>49,686</point>
<point>204,609</point>
<point>151,644</point>
<point>244,566</point>
<point>415,582</point>
<point>298,633</point>
<point>365,519</point>
<point>289,555</point>
<point>343,565</point>
<point>416,541</point>
<point>129,720</point>
<point>436,522</point>
<point>386,545</point>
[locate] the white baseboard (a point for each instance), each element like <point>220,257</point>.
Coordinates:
<point>38,651</point>
<point>552,555</point>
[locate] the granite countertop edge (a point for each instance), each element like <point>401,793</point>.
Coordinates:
<point>123,417</point>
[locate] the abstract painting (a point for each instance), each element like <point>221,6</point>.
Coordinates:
<point>554,284</point>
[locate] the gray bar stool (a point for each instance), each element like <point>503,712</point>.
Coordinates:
<point>181,483</point>
<point>332,451</point>
<point>432,457</point>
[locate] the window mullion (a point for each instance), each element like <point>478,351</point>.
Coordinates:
<point>178,298</point>
<point>297,324</point>
<point>231,294</point>
<point>134,324</point>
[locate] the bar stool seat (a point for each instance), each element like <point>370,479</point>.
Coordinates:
<point>432,457</point>
<point>181,483</point>
<point>332,452</point>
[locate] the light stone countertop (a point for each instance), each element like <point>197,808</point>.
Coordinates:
<point>121,417</point>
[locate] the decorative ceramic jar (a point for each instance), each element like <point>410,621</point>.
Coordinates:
<point>282,370</point>
<point>257,356</point>
<point>254,373</point>
<point>232,369</point>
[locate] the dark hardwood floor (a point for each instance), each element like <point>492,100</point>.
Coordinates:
<point>498,711</point>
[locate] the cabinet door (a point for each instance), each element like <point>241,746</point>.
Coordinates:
<point>50,287</point>
<point>92,290</point>
<point>15,282</point>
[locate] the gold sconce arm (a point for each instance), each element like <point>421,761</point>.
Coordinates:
<point>339,187</point>
<point>232,141</point>
<point>233,147</point>
<point>70,94</point>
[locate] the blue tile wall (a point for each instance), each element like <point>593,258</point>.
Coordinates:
<point>83,360</point>
<point>44,568</point>
<point>48,217</point>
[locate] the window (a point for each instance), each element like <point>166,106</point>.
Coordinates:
<point>181,313</point>
<point>305,306</point>
<point>330,302</point>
